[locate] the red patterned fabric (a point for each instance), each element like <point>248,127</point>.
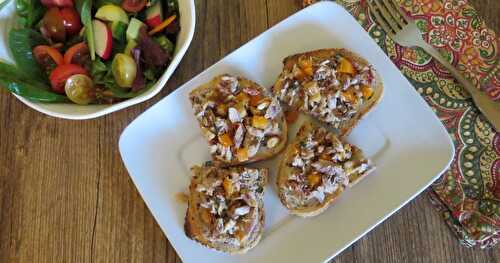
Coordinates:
<point>468,193</point>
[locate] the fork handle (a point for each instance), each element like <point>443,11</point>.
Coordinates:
<point>489,107</point>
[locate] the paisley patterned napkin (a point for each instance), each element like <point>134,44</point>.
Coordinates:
<point>468,193</point>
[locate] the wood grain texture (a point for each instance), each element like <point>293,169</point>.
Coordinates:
<point>65,195</point>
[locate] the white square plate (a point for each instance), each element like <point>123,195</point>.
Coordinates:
<point>401,135</point>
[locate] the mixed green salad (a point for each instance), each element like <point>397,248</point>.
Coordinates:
<point>89,52</point>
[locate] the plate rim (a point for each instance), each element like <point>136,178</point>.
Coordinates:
<point>417,96</point>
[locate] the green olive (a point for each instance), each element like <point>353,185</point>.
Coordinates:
<point>124,70</point>
<point>80,89</point>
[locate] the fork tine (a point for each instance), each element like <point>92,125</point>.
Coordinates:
<point>396,12</point>
<point>387,16</point>
<point>380,21</point>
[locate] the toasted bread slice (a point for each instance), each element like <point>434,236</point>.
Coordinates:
<point>315,170</point>
<point>240,120</point>
<point>336,86</point>
<point>225,207</point>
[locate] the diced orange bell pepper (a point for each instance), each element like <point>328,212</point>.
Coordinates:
<point>299,75</point>
<point>306,66</point>
<point>222,109</point>
<point>367,91</point>
<point>225,140</point>
<point>314,179</point>
<point>345,66</point>
<point>162,26</point>
<point>349,95</point>
<point>242,97</point>
<point>254,100</point>
<point>259,122</point>
<point>242,154</point>
<point>228,186</point>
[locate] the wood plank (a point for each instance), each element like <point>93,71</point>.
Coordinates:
<point>489,11</point>
<point>48,171</point>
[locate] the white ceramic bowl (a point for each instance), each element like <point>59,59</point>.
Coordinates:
<point>80,112</point>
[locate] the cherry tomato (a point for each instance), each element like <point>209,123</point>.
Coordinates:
<point>71,20</point>
<point>60,3</point>
<point>61,73</point>
<point>41,50</point>
<point>78,54</point>
<point>47,57</point>
<point>80,89</point>
<point>53,25</point>
<point>133,6</point>
<point>124,70</point>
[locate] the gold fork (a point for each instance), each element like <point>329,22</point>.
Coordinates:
<point>406,33</point>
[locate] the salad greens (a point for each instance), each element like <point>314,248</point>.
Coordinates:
<point>103,76</point>
<point>17,82</point>
<point>49,50</point>
<point>165,43</point>
<point>29,12</point>
<point>84,7</point>
<point>21,43</point>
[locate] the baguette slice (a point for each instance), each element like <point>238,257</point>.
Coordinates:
<point>316,169</point>
<point>240,120</point>
<point>335,86</point>
<point>225,207</point>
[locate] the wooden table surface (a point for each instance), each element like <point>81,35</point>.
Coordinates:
<point>65,195</point>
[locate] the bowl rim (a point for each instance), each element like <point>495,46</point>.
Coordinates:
<point>181,50</point>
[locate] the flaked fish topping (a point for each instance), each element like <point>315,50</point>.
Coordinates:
<point>331,89</point>
<point>238,117</point>
<point>231,199</point>
<point>239,135</point>
<point>234,115</point>
<point>321,164</point>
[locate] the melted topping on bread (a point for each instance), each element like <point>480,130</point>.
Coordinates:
<point>230,202</point>
<point>237,118</point>
<point>319,165</point>
<point>331,89</point>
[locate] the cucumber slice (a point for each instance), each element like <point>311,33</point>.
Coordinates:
<point>133,28</point>
<point>118,29</point>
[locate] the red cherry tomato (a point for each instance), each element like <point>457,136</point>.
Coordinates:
<point>53,25</point>
<point>71,20</point>
<point>133,6</point>
<point>42,50</point>
<point>78,54</point>
<point>60,3</point>
<point>47,57</point>
<point>61,73</point>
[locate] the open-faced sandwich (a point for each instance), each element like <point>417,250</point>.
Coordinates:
<point>241,122</point>
<point>315,170</point>
<point>225,207</point>
<point>335,86</point>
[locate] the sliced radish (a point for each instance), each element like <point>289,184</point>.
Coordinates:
<point>103,39</point>
<point>154,15</point>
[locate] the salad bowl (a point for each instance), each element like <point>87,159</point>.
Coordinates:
<point>81,112</point>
